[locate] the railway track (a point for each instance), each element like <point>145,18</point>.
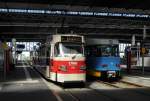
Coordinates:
<point>121,84</point>
<point>88,97</point>
<point>87,88</point>
<point>73,93</point>
<point>116,85</point>
<point>128,85</point>
<point>75,98</point>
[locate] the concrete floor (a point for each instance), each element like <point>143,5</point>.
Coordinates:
<point>25,84</point>
<point>138,77</point>
<point>18,87</point>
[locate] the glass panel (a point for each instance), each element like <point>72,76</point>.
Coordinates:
<point>68,49</point>
<point>102,50</point>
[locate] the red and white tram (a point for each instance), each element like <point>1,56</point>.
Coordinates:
<point>61,58</point>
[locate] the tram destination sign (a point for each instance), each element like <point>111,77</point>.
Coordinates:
<point>71,39</point>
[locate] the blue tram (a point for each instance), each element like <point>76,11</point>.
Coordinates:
<point>102,58</point>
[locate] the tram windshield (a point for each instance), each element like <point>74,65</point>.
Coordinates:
<point>69,49</point>
<point>102,50</point>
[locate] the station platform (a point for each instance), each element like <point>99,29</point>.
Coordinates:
<point>23,84</point>
<point>137,76</point>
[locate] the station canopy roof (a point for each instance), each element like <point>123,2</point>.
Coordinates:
<point>33,20</point>
<point>129,4</point>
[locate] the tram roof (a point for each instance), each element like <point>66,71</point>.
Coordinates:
<point>97,41</point>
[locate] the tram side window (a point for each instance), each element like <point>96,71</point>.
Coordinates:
<point>48,51</point>
<point>56,50</point>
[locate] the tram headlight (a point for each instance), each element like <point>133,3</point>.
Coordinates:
<point>83,67</point>
<point>63,68</point>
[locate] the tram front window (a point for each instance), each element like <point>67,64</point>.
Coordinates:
<point>102,50</point>
<point>109,50</point>
<point>70,49</point>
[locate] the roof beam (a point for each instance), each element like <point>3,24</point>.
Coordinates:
<point>65,25</point>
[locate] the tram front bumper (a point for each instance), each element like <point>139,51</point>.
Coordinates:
<point>81,77</point>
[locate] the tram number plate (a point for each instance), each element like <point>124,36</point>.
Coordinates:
<point>73,63</point>
<point>111,74</point>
